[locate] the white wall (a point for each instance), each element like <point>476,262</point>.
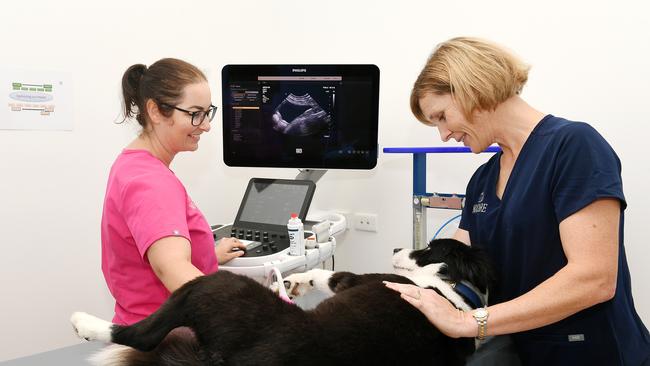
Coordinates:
<point>590,62</point>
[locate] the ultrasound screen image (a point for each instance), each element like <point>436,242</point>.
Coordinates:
<point>300,116</point>
<point>326,120</point>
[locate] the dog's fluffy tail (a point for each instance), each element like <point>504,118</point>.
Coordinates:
<point>113,355</point>
<point>179,348</point>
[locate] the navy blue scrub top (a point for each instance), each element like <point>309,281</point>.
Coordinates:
<point>563,167</point>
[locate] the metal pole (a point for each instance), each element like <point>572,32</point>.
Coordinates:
<point>419,191</point>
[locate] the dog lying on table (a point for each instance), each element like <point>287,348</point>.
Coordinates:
<point>234,320</point>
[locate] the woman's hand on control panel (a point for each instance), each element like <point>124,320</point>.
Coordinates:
<point>228,249</point>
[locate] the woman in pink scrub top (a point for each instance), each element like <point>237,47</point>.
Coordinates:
<point>154,238</point>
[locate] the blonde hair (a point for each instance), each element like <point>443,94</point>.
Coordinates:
<point>478,74</point>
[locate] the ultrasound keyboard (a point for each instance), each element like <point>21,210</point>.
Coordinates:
<point>258,242</point>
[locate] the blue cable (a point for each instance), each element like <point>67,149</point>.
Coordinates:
<point>445,224</point>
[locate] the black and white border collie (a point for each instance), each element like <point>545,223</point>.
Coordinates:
<point>229,319</point>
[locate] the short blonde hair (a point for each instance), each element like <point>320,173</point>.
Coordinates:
<point>478,74</point>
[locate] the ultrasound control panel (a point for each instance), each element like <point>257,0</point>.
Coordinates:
<point>258,242</point>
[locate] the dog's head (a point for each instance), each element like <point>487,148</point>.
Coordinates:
<point>449,258</point>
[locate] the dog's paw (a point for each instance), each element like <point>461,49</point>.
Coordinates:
<point>304,278</point>
<point>90,327</point>
<point>298,284</point>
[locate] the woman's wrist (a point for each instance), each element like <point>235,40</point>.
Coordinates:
<point>464,327</point>
<point>469,327</point>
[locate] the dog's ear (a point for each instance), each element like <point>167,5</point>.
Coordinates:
<point>470,264</point>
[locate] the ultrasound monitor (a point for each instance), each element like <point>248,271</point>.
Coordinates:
<point>300,116</point>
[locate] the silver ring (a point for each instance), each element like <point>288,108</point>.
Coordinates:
<point>419,295</point>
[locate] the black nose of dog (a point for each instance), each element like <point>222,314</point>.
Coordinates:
<point>397,250</point>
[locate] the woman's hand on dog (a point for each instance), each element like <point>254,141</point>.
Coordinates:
<point>449,320</point>
<point>224,249</point>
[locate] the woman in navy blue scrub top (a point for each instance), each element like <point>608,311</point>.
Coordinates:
<point>548,209</point>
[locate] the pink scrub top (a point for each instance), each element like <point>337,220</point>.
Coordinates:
<point>146,202</point>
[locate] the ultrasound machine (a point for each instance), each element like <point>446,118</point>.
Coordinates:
<point>309,117</point>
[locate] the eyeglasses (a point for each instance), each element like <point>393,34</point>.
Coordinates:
<point>197,116</point>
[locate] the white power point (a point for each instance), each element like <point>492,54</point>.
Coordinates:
<point>365,222</point>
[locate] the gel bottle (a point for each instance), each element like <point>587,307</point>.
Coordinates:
<point>296,235</point>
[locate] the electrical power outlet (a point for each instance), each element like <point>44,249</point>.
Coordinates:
<point>365,222</point>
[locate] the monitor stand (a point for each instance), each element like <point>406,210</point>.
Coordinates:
<point>311,174</point>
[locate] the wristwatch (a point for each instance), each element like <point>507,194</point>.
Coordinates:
<point>481,316</point>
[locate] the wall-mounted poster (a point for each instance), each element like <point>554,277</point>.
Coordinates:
<point>35,100</point>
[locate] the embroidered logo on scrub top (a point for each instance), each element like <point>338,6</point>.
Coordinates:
<point>480,206</point>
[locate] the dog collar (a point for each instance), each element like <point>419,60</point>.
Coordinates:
<point>475,298</point>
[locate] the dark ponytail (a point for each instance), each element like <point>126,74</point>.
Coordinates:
<point>130,89</point>
<point>163,82</point>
